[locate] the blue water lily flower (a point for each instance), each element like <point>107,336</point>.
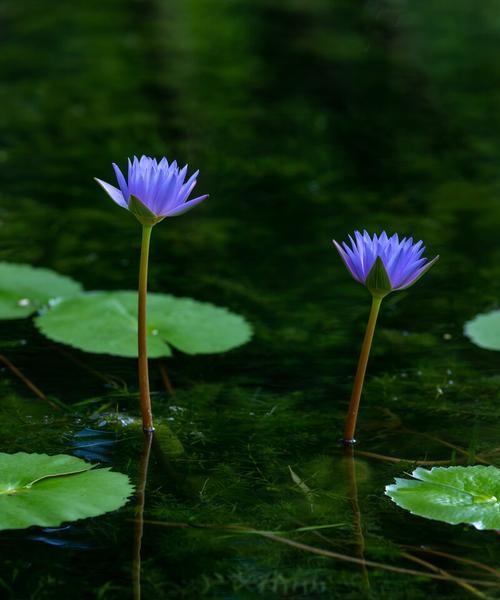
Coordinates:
<point>401,259</point>
<point>383,264</point>
<point>152,191</point>
<point>160,188</point>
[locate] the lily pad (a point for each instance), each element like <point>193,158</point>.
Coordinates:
<point>25,289</point>
<point>484,330</point>
<point>43,490</point>
<point>452,494</point>
<point>106,323</point>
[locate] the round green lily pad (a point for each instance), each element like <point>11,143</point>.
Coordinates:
<point>25,289</point>
<point>43,490</point>
<point>106,323</point>
<point>452,494</point>
<point>484,330</point>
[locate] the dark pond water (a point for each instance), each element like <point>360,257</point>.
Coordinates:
<point>308,119</point>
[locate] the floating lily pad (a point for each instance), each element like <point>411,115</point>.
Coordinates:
<point>37,489</point>
<point>484,330</point>
<point>106,323</point>
<point>25,289</point>
<point>452,494</point>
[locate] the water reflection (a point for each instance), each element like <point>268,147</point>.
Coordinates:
<point>350,464</point>
<point>311,118</point>
<point>139,512</point>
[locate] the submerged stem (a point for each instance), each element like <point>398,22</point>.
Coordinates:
<point>147,416</point>
<point>352,413</point>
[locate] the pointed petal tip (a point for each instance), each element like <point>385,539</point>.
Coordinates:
<point>200,198</point>
<point>418,274</point>
<point>184,207</point>
<point>102,183</point>
<point>114,193</point>
<point>339,248</point>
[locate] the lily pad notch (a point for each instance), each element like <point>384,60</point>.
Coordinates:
<point>106,323</point>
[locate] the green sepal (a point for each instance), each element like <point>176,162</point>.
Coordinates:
<point>378,281</point>
<point>142,212</point>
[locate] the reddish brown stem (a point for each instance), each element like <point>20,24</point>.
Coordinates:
<point>352,413</point>
<point>147,415</point>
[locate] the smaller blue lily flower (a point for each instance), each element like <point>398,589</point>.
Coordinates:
<point>384,265</point>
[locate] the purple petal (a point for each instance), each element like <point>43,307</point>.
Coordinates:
<point>121,181</point>
<point>180,180</point>
<point>182,208</point>
<point>358,267</point>
<point>415,276</point>
<point>165,198</point>
<point>187,188</point>
<point>351,266</point>
<point>113,192</point>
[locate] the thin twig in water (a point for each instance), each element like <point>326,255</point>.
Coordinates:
<point>36,390</point>
<point>320,551</point>
<point>429,436</point>
<point>112,381</point>
<point>399,460</point>
<point>467,561</point>
<point>458,580</point>
<point>458,449</point>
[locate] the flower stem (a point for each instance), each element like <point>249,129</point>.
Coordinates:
<point>352,414</point>
<point>147,415</point>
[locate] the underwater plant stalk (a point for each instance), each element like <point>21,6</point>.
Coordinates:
<point>352,413</point>
<point>147,415</point>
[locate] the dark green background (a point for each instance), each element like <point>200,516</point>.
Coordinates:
<point>307,119</point>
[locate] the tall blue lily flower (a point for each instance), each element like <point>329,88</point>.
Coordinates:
<point>383,264</point>
<point>151,191</point>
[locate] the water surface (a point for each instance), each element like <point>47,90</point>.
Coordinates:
<point>308,119</point>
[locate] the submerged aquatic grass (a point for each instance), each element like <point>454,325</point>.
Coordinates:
<point>152,191</point>
<point>384,265</point>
